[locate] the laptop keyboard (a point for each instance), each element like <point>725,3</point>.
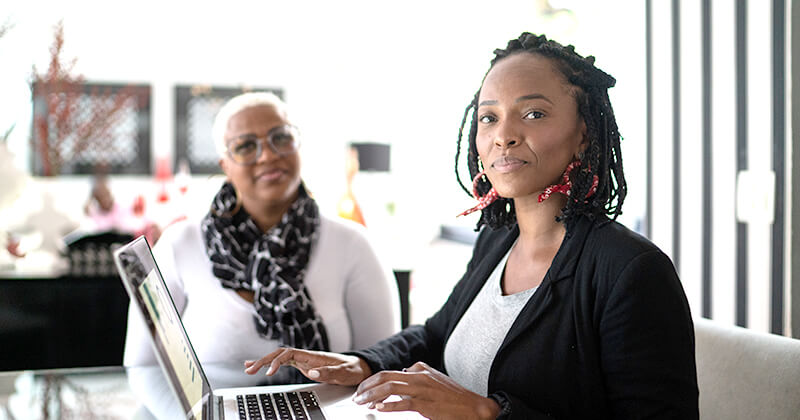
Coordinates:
<point>302,405</point>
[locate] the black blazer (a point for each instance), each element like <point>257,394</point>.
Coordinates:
<point>608,333</point>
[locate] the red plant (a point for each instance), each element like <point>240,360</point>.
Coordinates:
<point>72,120</point>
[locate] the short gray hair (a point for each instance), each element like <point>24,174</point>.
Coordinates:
<point>237,104</point>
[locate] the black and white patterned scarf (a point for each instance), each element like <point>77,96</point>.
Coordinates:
<point>272,265</point>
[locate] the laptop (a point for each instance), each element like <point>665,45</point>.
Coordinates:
<point>188,381</point>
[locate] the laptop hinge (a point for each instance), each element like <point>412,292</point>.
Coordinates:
<point>218,407</point>
<point>213,408</point>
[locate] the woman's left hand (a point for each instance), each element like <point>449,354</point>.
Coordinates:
<point>427,391</point>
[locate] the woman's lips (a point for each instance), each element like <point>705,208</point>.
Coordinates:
<point>507,164</point>
<point>271,175</point>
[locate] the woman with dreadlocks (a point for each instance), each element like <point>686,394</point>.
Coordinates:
<point>563,312</point>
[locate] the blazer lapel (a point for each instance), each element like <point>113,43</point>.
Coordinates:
<point>562,267</point>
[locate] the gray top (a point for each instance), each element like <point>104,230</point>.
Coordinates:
<point>470,350</point>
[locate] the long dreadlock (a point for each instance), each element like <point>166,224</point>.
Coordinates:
<point>602,156</point>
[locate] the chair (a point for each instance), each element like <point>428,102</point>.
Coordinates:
<point>743,374</point>
<point>91,254</point>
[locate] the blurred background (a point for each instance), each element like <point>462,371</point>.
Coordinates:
<point>130,106</point>
<point>352,72</point>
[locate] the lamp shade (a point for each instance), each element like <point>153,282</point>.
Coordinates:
<point>373,157</point>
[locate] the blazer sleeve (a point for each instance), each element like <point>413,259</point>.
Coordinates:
<point>647,342</point>
<point>514,408</point>
<point>415,343</point>
<point>424,342</point>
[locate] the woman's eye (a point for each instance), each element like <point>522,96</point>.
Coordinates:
<point>282,139</point>
<point>486,119</point>
<point>533,115</point>
<point>245,147</point>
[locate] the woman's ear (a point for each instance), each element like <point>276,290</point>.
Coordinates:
<point>584,142</point>
<point>223,164</point>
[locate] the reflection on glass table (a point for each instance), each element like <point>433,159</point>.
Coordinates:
<point>142,393</point>
<point>67,393</point>
<point>135,393</point>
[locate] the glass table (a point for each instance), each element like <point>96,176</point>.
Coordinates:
<point>79,393</point>
<point>141,393</point>
<point>115,392</point>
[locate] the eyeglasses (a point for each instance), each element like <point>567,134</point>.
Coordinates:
<point>247,148</point>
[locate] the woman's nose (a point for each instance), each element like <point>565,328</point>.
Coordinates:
<point>506,136</point>
<point>267,152</point>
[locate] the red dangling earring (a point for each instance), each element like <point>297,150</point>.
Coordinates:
<point>484,201</point>
<point>565,186</point>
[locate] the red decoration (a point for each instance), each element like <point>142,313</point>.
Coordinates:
<point>565,187</point>
<point>484,201</point>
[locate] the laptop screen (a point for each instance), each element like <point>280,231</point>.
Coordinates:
<point>149,293</point>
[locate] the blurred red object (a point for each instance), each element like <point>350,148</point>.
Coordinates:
<point>138,206</point>
<point>12,246</point>
<point>163,170</point>
<point>183,176</point>
<point>163,195</point>
<point>163,175</point>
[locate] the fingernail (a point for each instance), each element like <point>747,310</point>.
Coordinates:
<point>359,399</point>
<point>313,373</point>
<point>270,370</point>
<point>379,406</point>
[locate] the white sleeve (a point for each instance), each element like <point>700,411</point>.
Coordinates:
<point>371,297</point>
<point>138,345</point>
<point>151,388</point>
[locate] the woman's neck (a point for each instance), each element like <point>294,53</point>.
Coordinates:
<point>267,216</point>
<point>537,221</point>
<point>540,237</point>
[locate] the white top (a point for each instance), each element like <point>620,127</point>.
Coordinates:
<point>355,296</point>
<point>471,348</point>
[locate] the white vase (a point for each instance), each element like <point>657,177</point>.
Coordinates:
<point>14,180</point>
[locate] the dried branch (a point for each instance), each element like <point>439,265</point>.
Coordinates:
<point>70,125</point>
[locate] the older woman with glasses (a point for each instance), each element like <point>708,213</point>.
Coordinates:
<point>264,269</point>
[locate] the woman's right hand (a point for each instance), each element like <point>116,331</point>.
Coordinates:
<point>319,366</point>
